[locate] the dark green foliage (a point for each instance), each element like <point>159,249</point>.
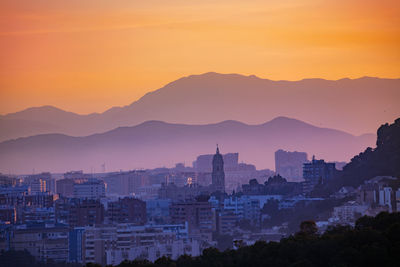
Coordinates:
<point>224,242</point>
<point>308,228</point>
<point>165,262</point>
<point>302,211</point>
<point>276,179</point>
<point>136,263</point>
<point>271,207</point>
<point>384,160</point>
<point>14,258</point>
<point>372,242</point>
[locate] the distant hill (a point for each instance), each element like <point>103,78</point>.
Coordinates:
<point>155,143</point>
<point>383,160</point>
<point>353,105</point>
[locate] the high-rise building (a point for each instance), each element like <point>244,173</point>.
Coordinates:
<point>317,172</point>
<point>38,186</point>
<point>127,210</point>
<point>197,214</point>
<point>218,174</point>
<point>45,243</point>
<point>92,189</point>
<point>65,187</point>
<point>79,212</point>
<point>75,244</point>
<point>39,183</point>
<point>290,164</point>
<point>125,183</point>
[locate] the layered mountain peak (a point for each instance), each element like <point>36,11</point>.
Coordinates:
<point>155,143</point>
<point>353,105</point>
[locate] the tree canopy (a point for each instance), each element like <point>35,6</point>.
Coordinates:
<point>372,242</point>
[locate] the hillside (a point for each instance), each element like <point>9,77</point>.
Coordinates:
<point>383,160</point>
<point>155,144</point>
<point>356,106</point>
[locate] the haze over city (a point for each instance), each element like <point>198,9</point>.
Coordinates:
<point>199,133</point>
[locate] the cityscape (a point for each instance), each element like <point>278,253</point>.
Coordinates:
<point>175,133</point>
<point>109,217</point>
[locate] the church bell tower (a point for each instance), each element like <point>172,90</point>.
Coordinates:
<point>218,174</point>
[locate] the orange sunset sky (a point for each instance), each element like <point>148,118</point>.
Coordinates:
<point>86,56</point>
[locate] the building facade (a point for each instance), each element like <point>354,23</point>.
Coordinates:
<point>127,210</point>
<point>317,172</point>
<point>92,189</point>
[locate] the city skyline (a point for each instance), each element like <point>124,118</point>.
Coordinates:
<point>188,133</point>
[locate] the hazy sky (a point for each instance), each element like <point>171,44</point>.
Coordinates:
<point>86,56</point>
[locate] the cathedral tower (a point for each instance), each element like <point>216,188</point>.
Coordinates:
<point>218,174</point>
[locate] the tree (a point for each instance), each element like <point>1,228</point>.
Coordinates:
<point>308,228</point>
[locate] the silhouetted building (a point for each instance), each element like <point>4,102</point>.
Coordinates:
<point>317,172</point>
<point>79,212</point>
<point>40,183</point>
<point>203,163</point>
<point>218,174</point>
<point>125,183</point>
<point>44,243</point>
<point>198,215</point>
<point>275,185</point>
<point>76,175</point>
<point>127,210</point>
<point>157,210</point>
<point>65,187</point>
<point>290,164</point>
<point>235,173</point>
<point>187,192</point>
<point>8,215</point>
<point>253,188</point>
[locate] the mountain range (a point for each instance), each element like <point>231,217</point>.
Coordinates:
<point>356,106</point>
<point>155,144</point>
